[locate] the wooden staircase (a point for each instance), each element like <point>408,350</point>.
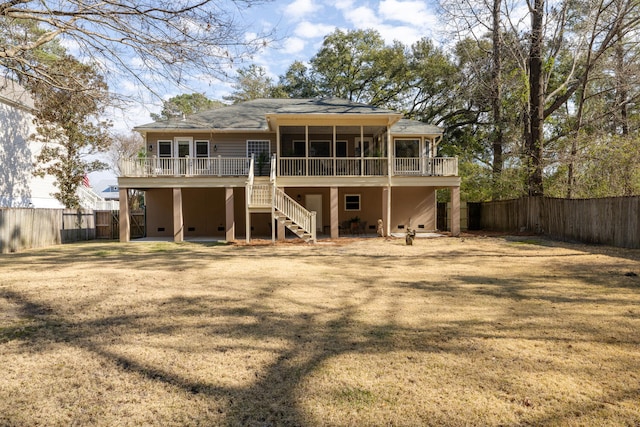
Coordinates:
<point>265,196</point>
<point>295,228</point>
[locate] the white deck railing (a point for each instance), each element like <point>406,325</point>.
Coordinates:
<point>291,166</point>
<point>426,166</point>
<point>172,166</point>
<point>90,200</point>
<point>295,211</point>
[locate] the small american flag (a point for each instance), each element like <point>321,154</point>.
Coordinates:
<point>85,181</point>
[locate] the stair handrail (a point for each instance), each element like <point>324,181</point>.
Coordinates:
<point>250,178</point>
<point>272,175</point>
<point>295,211</point>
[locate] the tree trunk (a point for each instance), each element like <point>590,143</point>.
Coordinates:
<point>496,98</point>
<point>536,103</point>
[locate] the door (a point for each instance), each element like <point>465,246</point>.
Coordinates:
<point>313,202</point>
<point>183,149</point>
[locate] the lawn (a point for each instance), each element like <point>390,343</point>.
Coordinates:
<point>450,331</point>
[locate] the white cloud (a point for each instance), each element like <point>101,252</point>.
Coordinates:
<point>301,8</point>
<point>409,12</point>
<point>294,45</point>
<point>361,17</point>
<point>308,30</point>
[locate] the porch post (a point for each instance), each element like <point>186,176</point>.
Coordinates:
<point>230,228</point>
<point>334,203</point>
<point>386,210</point>
<point>178,220</point>
<point>247,224</point>
<point>455,211</point>
<point>281,230</point>
<point>123,218</point>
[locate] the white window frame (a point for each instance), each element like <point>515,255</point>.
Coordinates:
<point>262,141</point>
<point>170,143</point>
<point>195,145</point>
<point>346,203</point>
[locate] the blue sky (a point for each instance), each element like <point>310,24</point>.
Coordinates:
<point>300,27</point>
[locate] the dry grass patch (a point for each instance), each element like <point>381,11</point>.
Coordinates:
<point>475,331</point>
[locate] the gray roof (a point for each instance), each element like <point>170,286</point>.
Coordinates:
<point>414,127</point>
<point>252,115</point>
<point>14,94</point>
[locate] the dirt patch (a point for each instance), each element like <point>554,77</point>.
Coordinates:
<point>510,330</point>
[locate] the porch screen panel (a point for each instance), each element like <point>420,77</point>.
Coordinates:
<point>407,152</point>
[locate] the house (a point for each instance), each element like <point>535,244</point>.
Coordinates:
<point>107,189</point>
<point>314,166</point>
<point>18,186</point>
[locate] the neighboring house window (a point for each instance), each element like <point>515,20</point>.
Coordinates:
<point>202,148</point>
<point>352,202</point>
<point>258,147</point>
<point>407,147</point>
<point>164,148</point>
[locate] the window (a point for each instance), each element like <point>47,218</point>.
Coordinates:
<point>407,147</point>
<point>164,148</point>
<point>293,148</point>
<point>202,148</point>
<point>352,202</point>
<point>258,147</point>
<point>319,148</point>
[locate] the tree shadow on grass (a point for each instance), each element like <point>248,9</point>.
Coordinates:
<point>312,336</point>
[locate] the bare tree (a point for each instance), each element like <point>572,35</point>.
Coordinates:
<point>145,39</point>
<point>124,146</point>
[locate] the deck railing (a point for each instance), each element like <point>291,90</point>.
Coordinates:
<point>291,166</point>
<point>176,166</point>
<point>333,166</point>
<point>426,166</point>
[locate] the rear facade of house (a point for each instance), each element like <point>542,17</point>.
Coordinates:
<point>289,167</point>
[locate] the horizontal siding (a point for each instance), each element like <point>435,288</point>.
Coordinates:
<point>227,145</point>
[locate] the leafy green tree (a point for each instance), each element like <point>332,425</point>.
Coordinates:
<point>253,83</point>
<point>185,104</point>
<point>356,65</point>
<point>296,82</point>
<point>67,122</point>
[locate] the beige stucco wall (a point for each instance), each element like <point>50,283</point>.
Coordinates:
<point>159,204</point>
<point>413,207</point>
<point>204,210</point>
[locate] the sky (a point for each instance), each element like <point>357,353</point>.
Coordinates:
<point>300,27</point>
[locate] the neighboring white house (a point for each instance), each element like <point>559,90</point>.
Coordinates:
<point>18,186</point>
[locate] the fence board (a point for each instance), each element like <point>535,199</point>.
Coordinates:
<point>613,221</point>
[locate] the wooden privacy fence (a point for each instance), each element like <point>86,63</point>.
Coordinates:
<point>613,221</point>
<point>108,224</point>
<point>33,228</point>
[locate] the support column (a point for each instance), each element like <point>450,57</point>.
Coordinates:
<point>281,231</point>
<point>178,220</point>
<point>247,216</point>
<point>123,219</point>
<point>230,228</point>
<point>386,210</point>
<point>455,211</point>
<point>333,215</point>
